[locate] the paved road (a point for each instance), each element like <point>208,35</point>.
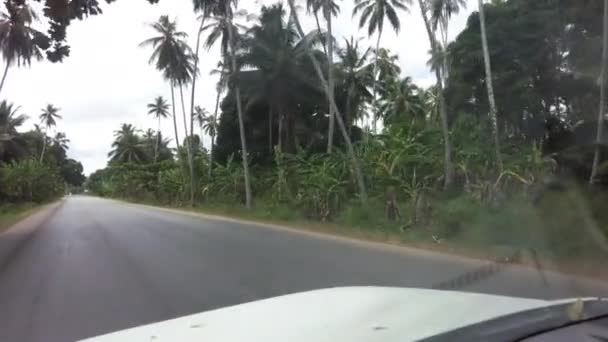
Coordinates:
<point>97,266</point>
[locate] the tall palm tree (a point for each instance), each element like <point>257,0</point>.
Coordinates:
<point>404,100</point>
<point>173,57</point>
<point>219,89</point>
<point>61,141</point>
<point>441,13</point>
<point>373,14</point>
<point>602,110</point>
<point>435,48</point>
<point>355,77</point>
<point>490,86</point>
<point>127,146</point>
<point>48,118</point>
<point>351,151</point>
<point>330,9</point>
<point>208,124</point>
<point>19,42</point>
<point>160,110</point>
<point>10,120</point>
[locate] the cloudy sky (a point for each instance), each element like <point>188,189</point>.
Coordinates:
<point>107,81</point>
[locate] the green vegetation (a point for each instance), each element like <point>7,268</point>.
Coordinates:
<point>498,153</point>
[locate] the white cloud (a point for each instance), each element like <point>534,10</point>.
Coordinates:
<point>107,80</point>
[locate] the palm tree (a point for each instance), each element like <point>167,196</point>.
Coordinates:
<point>435,48</point>
<point>173,57</point>
<point>404,100</point>
<point>10,120</point>
<point>19,42</point>
<point>330,9</point>
<point>160,110</point>
<point>490,86</point>
<point>61,141</point>
<point>441,13</point>
<point>355,77</point>
<point>602,111</point>
<point>223,27</point>
<point>127,146</point>
<point>373,13</point>
<point>208,124</point>
<point>48,118</point>
<point>279,58</point>
<point>351,151</point>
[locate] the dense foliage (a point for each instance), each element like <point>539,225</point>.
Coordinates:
<point>34,166</point>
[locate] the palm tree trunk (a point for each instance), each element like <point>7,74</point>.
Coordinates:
<point>239,107</point>
<point>600,116</point>
<point>330,77</point>
<point>319,30</point>
<point>280,133</point>
<point>174,118</point>
<point>270,147</point>
<point>4,76</point>
<point>375,87</point>
<point>196,59</point>
<point>188,144</point>
<point>43,148</point>
<point>351,151</point>
<point>217,107</point>
<point>490,86</point>
<point>157,141</point>
<point>448,165</point>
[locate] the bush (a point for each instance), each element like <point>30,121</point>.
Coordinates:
<point>30,181</point>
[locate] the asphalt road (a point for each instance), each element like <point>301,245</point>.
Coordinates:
<point>95,266</point>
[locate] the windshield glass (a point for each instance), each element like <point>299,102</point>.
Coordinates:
<point>160,158</point>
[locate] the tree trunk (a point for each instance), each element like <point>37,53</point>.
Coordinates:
<point>319,30</point>
<point>217,107</point>
<point>8,65</point>
<point>157,142</point>
<point>375,86</point>
<point>600,116</point>
<point>174,118</point>
<point>188,144</point>
<point>196,59</point>
<point>270,147</point>
<point>280,133</point>
<point>43,148</point>
<point>351,151</point>
<point>448,165</point>
<point>490,86</point>
<point>239,108</point>
<point>330,76</point>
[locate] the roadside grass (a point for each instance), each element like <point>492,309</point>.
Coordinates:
<point>12,213</point>
<point>560,233</point>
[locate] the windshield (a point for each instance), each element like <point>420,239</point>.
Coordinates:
<point>162,158</point>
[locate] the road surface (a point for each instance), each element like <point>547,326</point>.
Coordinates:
<point>95,266</point>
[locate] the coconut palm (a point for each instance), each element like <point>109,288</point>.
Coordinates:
<point>317,66</point>
<point>373,14</point>
<point>19,42</point>
<point>173,57</point>
<point>404,101</point>
<point>160,110</point>
<point>602,109</point>
<point>435,48</point>
<point>10,120</point>
<point>48,118</point>
<point>330,9</point>
<point>61,141</point>
<point>441,13</point>
<point>127,146</point>
<point>354,77</point>
<point>490,86</point>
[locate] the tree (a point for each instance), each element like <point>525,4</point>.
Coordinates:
<point>61,141</point>
<point>10,120</point>
<point>490,87</point>
<point>48,118</point>
<point>373,13</point>
<point>441,13</point>
<point>448,165</point>
<point>19,42</point>
<point>354,78</point>
<point>330,9</point>
<point>127,146</point>
<point>173,58</point>
<point>602,109</point>
<point>351,151</point>
<point>208,124</point>
<point>160,110</point>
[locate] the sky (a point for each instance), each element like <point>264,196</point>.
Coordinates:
<point>107,81</point>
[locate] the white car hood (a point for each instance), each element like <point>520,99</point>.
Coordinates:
<point>337,314</point>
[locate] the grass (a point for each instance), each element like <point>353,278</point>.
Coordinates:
<point>12,213</point>
<point>553,230</point>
